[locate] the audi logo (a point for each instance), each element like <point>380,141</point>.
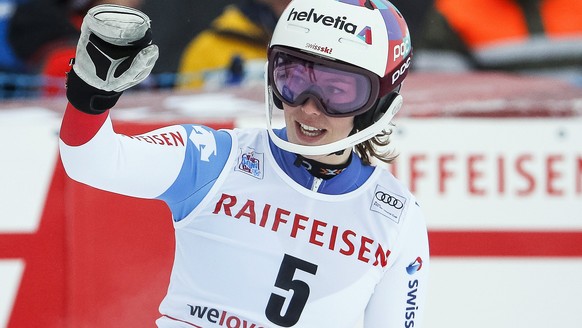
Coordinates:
<point>389,199</point>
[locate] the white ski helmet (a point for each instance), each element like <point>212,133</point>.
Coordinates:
<point>367,40</point>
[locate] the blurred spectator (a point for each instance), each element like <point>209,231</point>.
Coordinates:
<point>40,38</point>
<point>233,48</point>
<point>9,62</point>
<point>541,37</point>
<point>175,24</point>
<point>37,39</point>
<point>415,12</point>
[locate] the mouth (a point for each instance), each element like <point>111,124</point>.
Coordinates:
<point>310,131</point>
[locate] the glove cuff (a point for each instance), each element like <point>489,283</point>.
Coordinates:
<point>87,98</point>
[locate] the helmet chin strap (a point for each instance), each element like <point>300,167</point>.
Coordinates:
<point>335,146</point>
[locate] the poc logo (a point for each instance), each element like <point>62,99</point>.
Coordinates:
<point>401,71</point>
<point>402,50</point>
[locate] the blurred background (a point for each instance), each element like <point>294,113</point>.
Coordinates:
<point>489,139</point>
<point>205,45</point>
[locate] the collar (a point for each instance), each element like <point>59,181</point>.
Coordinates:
<point>352,176</point>
<point>321,170</point>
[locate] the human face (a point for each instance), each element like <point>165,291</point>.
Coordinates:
<point>308,125</point>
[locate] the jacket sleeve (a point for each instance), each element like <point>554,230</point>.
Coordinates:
<point>399,300</point>
<point>156,164</point>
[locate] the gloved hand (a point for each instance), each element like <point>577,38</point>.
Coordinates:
<point>114,53</point>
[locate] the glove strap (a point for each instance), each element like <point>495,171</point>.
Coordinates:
<point>89,99</point>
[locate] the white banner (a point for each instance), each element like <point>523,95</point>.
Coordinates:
<point>28,148</point>
<point>493,173</point>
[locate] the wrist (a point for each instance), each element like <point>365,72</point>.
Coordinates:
<point>87,98</point>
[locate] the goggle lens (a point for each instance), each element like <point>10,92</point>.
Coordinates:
<point>338,92</point>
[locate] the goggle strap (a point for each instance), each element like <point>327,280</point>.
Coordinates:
<point>388,83</point>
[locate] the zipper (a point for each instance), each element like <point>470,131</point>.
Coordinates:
<point>316,183</point>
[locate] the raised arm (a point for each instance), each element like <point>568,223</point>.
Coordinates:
<point>175,163</point>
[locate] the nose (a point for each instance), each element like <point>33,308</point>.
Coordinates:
<point>310,107</point>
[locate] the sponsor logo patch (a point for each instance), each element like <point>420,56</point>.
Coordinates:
<point>415,266</point>
<point>366,35</point>
<point>338,22</point>
<point>388,203</point>
<point>250,162</point>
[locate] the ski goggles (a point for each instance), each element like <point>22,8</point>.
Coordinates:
<point>338,89</point>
